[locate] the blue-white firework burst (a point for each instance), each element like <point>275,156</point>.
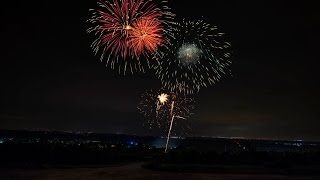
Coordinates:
<point>196,56</point>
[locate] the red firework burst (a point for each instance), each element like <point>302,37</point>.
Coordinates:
<point>114,22</point>
<point>146,36</point>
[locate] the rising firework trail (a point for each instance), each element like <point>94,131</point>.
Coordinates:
<point>172,107</point>
<point>127,30</point>
<point>169,132</point>
<point>196,56</point>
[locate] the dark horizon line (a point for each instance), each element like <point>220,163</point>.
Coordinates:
<point>181,137</point>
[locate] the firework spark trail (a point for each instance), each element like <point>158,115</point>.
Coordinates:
<point>128,29</point>
<point>196,57</point>
<point>174,113</point>
<point>172,107</point>
<point>169,132</point>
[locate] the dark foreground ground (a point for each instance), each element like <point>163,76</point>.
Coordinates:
<point>66,156</point>
<point>126,171</point>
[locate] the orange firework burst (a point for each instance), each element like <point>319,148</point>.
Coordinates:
<point>146,36</point>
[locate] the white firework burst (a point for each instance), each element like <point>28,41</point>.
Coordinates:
<point>196,56</point>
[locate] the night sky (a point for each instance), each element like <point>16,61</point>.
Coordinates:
<point>50,78</point>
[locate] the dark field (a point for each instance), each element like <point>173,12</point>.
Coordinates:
<point>58,155</point>
<point>127,171</point>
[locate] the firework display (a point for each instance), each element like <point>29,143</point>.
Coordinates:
<point>196,56</point>
<point>132,35</point>
<point>127,30</point>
